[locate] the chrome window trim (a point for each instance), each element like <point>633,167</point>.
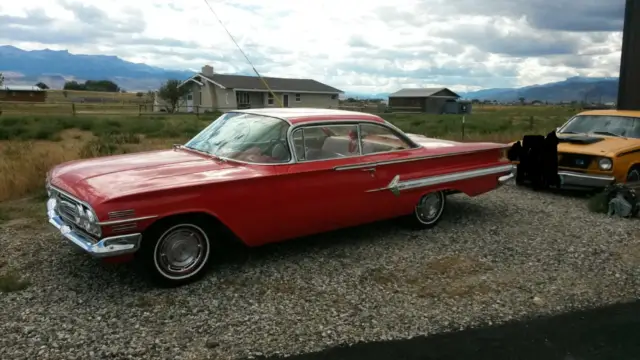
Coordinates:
<point>358,122</point>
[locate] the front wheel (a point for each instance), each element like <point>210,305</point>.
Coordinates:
<point>176,253</point>
<point>429,209</point>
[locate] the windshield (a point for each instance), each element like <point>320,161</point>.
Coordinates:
<point>245,137</point>
<point>603,125</point>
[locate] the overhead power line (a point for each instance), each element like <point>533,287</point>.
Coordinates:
<point>243,54</point>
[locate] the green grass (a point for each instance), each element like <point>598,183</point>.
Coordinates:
<point>486,123</point>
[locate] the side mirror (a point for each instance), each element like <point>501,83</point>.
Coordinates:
<point>557,129</point>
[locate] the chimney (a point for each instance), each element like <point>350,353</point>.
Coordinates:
<point>207,70</point>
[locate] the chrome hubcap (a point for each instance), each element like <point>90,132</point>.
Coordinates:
<point>181,250</point>
<point>429,207</point>
<point>634,175</point>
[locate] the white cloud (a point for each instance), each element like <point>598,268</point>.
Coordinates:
<point>353,45</point>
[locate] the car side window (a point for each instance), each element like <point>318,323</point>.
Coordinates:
<point>324,142</point>
<point>377,138</point>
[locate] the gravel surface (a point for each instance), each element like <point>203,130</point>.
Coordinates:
<point>504,255</point>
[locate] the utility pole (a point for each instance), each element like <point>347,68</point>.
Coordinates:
<point>628,94</point>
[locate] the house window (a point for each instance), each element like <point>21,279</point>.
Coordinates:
<point>334,96</point>
<point>270,98</point>
<point>298,97</point>
<point>242,98</point>
<point>190,96</point>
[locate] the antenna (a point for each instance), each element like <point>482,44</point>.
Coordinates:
<point>243,54</point>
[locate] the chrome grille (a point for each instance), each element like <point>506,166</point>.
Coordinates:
<point>66,207</point>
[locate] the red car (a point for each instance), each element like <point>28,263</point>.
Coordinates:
<point>261,176</point>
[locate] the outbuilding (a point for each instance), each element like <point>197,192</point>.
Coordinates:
<point>26,93</point>
<point>429,100</point>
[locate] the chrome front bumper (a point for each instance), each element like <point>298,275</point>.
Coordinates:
<point>107,247</point>
<point>570,179</point>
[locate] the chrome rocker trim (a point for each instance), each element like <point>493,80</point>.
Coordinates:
<point>396,186</point>
<point>107,247</point>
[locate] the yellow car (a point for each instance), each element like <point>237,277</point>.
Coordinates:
<point>598,148</point>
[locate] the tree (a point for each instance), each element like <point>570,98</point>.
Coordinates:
<point>1,79</point>
<point>521,100</point>
<point>93,85</point>
<point>172,93</point>
<point>42,86</point>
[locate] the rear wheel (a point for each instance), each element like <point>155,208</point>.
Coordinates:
<point>429,209</point>
<point>176,252</point>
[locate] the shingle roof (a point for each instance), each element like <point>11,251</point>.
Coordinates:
<point>421,92</point>
<point>276,84</point>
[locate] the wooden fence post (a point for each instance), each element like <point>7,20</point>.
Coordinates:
<point>197,111</point>
<point>463,120</point>
<point>73,109</point>
<point>139,110</point>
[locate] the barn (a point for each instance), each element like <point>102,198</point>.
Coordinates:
<point>24,93</point>
<point>429,100</point>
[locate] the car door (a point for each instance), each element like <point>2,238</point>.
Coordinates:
<point>390,155</point>
<point>327,187</point>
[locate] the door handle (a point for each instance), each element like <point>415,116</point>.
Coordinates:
<point>370,170</point>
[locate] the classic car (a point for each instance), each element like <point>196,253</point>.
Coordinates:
<point>598,148</point>
<point>260,176</point>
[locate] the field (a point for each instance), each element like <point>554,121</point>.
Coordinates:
<point>31,144</point>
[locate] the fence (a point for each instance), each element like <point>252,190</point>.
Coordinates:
<point>109,108</point>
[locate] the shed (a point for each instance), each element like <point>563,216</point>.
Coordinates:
<point>429,100</point>
<point>26,93</point>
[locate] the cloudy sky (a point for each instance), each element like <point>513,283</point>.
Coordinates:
<point>355,45</point>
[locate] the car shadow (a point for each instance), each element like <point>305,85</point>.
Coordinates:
<point>96,277</point>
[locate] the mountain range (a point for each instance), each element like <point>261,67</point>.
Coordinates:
<point>55,67</point>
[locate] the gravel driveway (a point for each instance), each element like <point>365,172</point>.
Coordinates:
<point>504,255</point>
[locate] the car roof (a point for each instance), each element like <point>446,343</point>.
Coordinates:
<point>612,112</point>
<point>302,115</point>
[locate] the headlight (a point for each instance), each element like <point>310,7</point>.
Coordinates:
<point>605,164</point>
<point>87,220</point>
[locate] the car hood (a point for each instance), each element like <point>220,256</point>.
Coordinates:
<point>105,178</point>
<point>597,145</point>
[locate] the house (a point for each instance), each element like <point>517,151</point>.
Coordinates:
<point>26,93</point>
<point>429,100</point>
<point>210,90</point>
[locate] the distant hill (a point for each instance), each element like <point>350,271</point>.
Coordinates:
<point>54,68</point>
<point>572,89</point>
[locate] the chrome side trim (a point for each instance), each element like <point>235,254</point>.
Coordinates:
<point>396,186</point>
<point>123,221</point>
<point>399,161</point>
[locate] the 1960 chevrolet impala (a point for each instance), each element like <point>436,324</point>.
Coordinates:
<point>261,176</point>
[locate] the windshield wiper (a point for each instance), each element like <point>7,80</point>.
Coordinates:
<point>605,133</point>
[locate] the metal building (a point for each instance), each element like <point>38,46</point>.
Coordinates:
<point>429,100</point>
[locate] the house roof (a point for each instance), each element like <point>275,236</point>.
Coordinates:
<point>20,88</point>
<point>276,84</point>
<point>422,92</point>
